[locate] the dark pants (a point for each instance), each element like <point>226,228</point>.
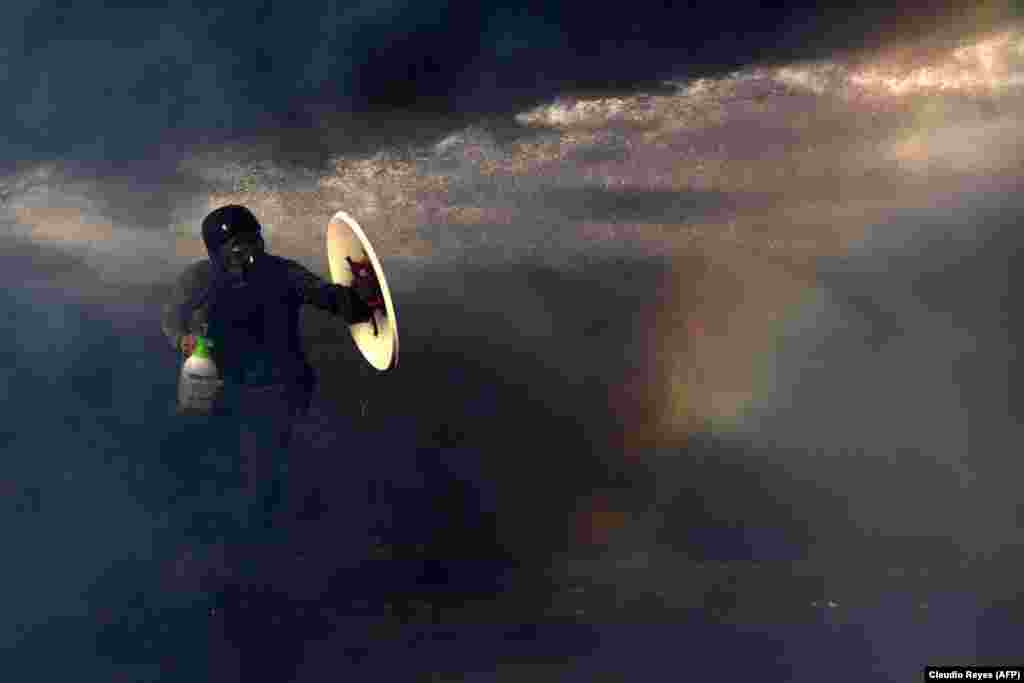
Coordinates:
<point>265,418</point>
<point>240,479</point>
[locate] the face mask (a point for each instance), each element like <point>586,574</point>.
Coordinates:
<point>242,254</point>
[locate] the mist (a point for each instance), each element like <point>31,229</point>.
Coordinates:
<point>698,349</point>
<point>119,85</point>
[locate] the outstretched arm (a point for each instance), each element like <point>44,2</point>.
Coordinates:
<point>337,299</point>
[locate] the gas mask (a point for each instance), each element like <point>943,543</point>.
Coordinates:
<point>242,254</point>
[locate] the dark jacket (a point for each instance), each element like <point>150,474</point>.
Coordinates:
<point>254,323</point>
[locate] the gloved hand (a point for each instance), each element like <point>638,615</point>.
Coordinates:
<point>343,301</point>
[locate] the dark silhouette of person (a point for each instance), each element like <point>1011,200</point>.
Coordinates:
<point>247,302</point>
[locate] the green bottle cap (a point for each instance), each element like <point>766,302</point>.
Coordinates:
<point>203,346</point>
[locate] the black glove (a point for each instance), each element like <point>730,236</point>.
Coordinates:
<point>361,311</point>
<point>347,303</point>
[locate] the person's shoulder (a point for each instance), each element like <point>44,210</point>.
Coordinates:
<point>197,271</point>
<point>297,274</point>
<point>200,267</point>
<point>289,265</point>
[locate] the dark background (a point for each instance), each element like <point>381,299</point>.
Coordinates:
<point>119,82</point>
<point>440,526</point>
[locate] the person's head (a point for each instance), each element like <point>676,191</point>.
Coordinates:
<point>233,238</point>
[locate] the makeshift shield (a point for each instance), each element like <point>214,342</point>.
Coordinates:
<point>350,255</point>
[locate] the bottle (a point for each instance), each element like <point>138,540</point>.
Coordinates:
<point>199,385</point>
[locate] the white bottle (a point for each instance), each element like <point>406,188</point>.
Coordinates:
<point>199,385</point>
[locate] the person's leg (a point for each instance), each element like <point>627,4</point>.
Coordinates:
<point>264,440</point>
<point>265,425</point>
<point>218,503</point>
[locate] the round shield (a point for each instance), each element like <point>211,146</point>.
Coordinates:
<point>350,255</point>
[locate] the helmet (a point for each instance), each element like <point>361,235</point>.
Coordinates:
<point>224,224</point>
